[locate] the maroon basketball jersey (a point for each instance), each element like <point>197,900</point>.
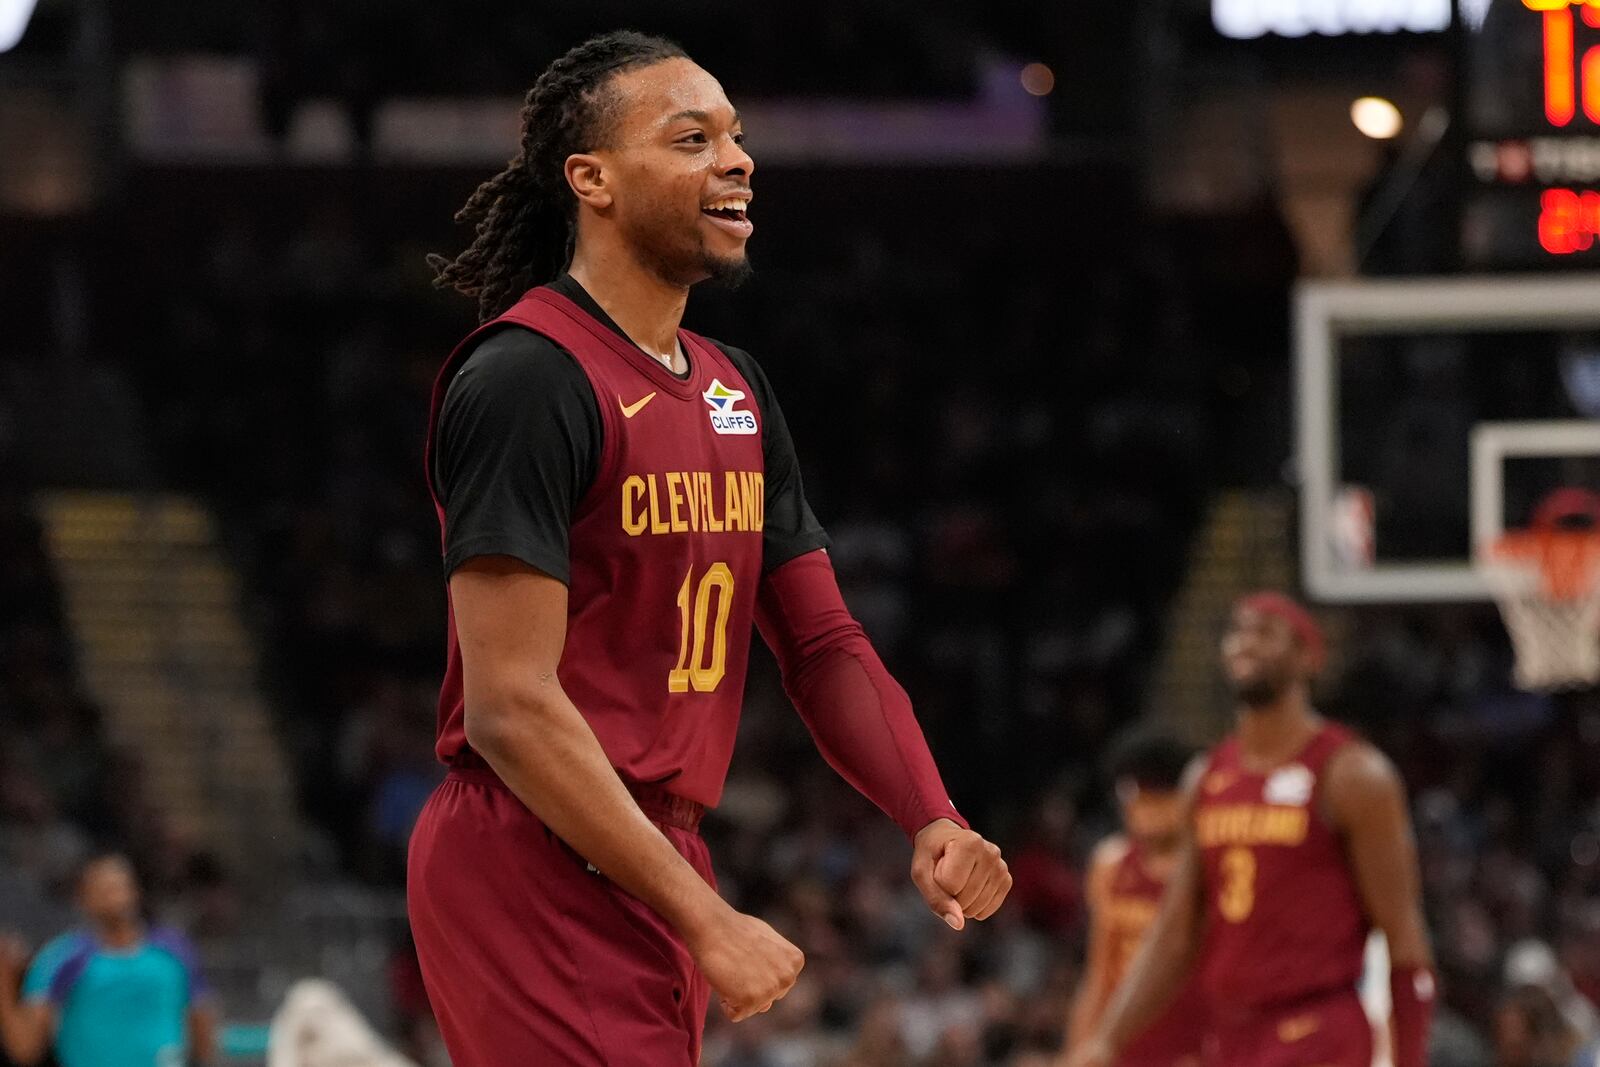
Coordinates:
<point>1134,898</point>
<point>1284,920</point>
<point>666,553</point>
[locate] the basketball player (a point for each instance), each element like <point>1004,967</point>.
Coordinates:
<point>1127,875</point>
<point>1297,841</point>
<point>619,501</point>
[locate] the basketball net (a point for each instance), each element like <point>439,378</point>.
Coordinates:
<point>1546,580</point>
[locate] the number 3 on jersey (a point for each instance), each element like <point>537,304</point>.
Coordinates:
<point>692,670</point>
<point>1238,897</point>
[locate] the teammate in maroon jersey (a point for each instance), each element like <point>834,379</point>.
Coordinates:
<point>1127,875</point>
<point>1297,841</point>
<point>619,503</point>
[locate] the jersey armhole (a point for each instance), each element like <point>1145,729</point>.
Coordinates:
<point>605,470</point>
<point>1104,863</point>
<point>1343,742</point>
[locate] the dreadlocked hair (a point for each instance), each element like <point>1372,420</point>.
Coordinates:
<point>525,218</point>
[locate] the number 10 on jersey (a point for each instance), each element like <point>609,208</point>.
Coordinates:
<point>694,613</point>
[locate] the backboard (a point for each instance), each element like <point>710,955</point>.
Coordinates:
<point>1431,414</point>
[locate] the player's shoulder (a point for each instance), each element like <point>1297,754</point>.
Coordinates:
<point>63,955</point>
<point>65,946</point>
<point>513,373</point>
<point>743,362</point>
<point>1199,766</point>
<point>1359,762</point>
<point>1109,852</point>
<point>1359,780</point>
<point>1104,862</point>
<point>733,352</point>
<point>515,355</point>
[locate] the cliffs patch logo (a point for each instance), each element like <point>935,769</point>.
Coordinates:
<point>1292,785</point>
<point>726,416</point>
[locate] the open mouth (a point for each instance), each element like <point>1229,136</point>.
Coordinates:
<point>732,209</point>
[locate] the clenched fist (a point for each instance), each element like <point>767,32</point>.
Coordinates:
<point>961,875</point>
<point>749,964</point>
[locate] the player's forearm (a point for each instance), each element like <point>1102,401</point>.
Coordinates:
<point>1368,802</point>
<point>547,755</point>
<point>1407,936</point>
<point>203,1035</point>
<point>1159,969</point>
<point>1165,957</point>
<point>1088,1006</point>
<point>858,714</point>
<point>864,727</point>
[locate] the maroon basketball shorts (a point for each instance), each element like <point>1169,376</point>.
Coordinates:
<point>529,956</point>
<point>1327,1031</point>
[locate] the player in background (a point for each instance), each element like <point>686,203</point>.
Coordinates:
<point>1127,875</point>
<point>620,503</point>
<point>115,994</point>
<point>1297,841</point>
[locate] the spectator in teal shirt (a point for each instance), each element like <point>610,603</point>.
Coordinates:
<point>115,994</point>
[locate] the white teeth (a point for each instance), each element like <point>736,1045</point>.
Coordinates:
<point>729,205</point>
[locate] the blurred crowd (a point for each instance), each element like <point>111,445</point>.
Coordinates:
<point>55,780</point>
<point>1010,467</point>
<point>67,791</point>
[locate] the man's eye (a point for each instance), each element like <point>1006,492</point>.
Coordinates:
<point>694,138</point>
<point>738,139</point>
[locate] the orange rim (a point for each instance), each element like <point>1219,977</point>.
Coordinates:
<point>1568,560</point>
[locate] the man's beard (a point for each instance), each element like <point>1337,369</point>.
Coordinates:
<point>727,274</point>
<point>686,267</point>
<point>1260,691</point>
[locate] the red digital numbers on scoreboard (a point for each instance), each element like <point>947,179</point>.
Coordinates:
<point>1569,221</point>
<point>1566,79</point>
<point>1533,151</point>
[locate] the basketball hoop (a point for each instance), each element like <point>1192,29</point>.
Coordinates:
<point>1546,580</point>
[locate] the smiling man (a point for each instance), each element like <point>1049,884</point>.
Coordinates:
<point>620,504</point>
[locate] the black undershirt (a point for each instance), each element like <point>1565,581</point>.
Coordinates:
<point>519,442</point>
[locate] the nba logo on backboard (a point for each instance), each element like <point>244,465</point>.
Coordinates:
<point>1351,528</point>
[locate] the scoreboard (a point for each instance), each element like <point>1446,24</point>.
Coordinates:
<point>1532,135</point>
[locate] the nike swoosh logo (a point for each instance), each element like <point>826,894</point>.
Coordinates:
<point>630,410</point>
<point>1298,1029</point>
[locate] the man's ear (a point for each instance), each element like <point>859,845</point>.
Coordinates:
<point>589,180</point>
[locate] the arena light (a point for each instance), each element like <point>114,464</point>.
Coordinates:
<point>1377,118</point>
<point>1038,79</point>
<point>1246,19</point>
<point>14,16</point>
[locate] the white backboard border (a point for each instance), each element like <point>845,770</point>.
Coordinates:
<point>1495,442</point>
<point>1327,312</point>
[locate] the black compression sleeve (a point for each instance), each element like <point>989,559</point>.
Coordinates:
<point>518,445</point>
